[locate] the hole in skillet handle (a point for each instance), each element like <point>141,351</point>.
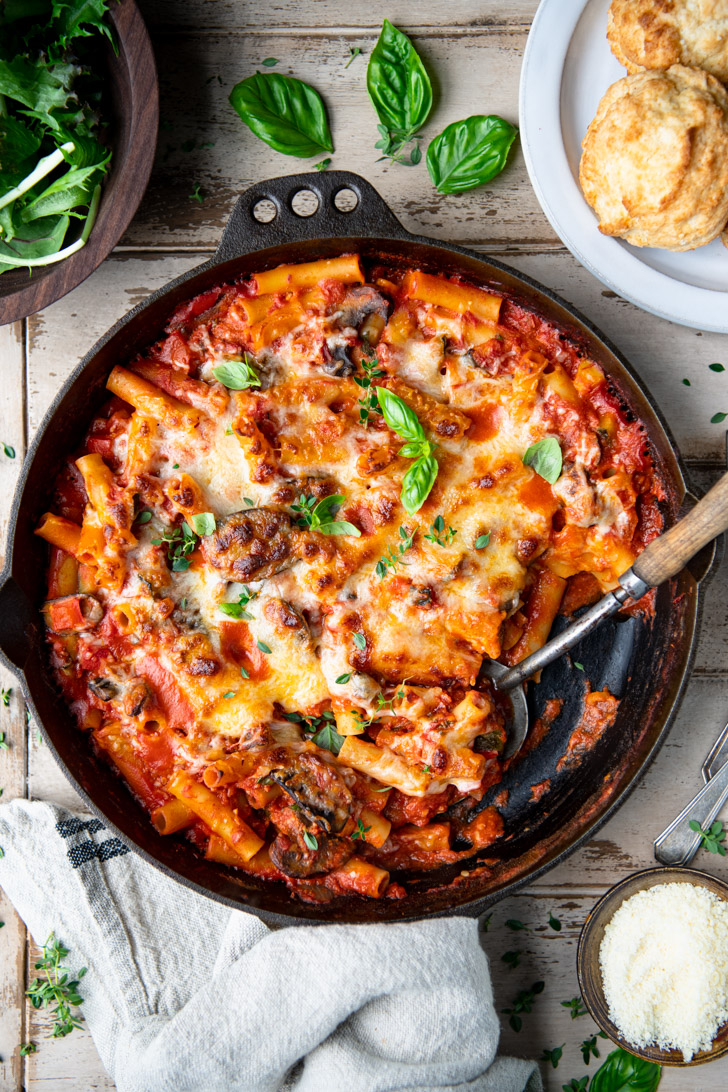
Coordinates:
<point>332,204</point>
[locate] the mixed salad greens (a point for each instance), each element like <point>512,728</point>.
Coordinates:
<point>52,150</point>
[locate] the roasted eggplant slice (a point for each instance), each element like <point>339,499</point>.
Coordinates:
<point>250,545</point>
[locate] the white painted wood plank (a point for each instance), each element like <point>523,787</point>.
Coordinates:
<point>473,73</point>
<point>12,718</point>
<point>550,957</point>
<point>231,14</point>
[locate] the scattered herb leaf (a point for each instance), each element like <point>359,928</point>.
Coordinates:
<point>4,745</point>
<point>400,91</point>
<point>515,925</point>
<point>286,113</point>
<point>546,459</point>
<point>203,524</point>
<point>588,1048</point>
<point>320,516</point>
<point>264,647</point>
<point>237,374</point>
<point>361,831</point>
<point>439,535</point>
<point>244,673</point>
<point>575,1085</point>
<point>716,367</point>
<point>482,541</point>
<point>27,1048</point>
<point>144,517</point>
<point>368,404</point>
<point>5,695</point>
<point>575,1006</point>
<point>522,1002</point>
<point>390,560</point>
<point>469,153</point>
<point>553,1056</point>
<point>354,52</point>
<point>360,641</point>
<point>711,839</point>
<point>512,959</point>
<point>310,840</point>
<point>197,194</point>
<point>717,418</point>
<point>329,739</point>
<point>9,451</point>
<point>343,679</point>
<point>323,165</point>
<point>687,382</point>
<point>230,694</point>
<point>554,923</point>
<point>270,62</point>
<point>418,481</point>
<point>578,666</point>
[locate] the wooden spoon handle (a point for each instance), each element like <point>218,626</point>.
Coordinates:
<point>668,554</point>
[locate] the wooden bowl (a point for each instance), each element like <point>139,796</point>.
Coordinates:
<point>132,77</point>
<point>589,972</point>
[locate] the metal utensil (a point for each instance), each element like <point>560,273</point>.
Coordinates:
<point>678,844</point>
<point>663,558</point>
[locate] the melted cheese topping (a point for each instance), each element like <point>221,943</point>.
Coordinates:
<point>328,623</point>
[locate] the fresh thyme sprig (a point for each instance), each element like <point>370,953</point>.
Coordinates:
<point>319,515</point>
<point>439,535</point>
<point>57,988</point>
<point>390,560</point>
<point>180,542</point>
<point>522,1002</point>
<point>711,839</point>
<point>575,1006</point>
<point>368,403</point>
<point>361,831</point>
<point>237,608</point>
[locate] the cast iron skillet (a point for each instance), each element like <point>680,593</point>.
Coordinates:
<point>645,662</point>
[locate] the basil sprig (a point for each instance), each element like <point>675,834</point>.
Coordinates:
<point>420,478</point>
<point>469,153</point>
<point>623,1072</point>
<point>286,113</point>
<point>320,516</point>
<point>400,90</point>
<point>237,374</point>
<point>546,459</point>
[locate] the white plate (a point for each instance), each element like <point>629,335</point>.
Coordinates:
<point>567,67</point>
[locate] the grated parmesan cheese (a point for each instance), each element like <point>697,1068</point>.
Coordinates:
<point>664,964</point>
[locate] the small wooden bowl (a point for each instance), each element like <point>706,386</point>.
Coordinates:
<point>132,77</point>
<point>589,972</point>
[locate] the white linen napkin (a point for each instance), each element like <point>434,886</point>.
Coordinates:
<point>184,995</point>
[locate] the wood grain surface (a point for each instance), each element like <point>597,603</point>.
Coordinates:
<point>474,48</point>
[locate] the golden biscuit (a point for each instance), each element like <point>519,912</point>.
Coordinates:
<point>661,33</point>
<point>655,159</point>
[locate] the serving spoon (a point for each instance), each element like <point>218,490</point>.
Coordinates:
<point>663,558</point>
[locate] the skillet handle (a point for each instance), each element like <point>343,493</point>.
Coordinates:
<point>668,554</point>
<point>18,621</point>
<point>371,217</point>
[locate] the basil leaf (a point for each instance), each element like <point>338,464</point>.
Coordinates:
<point>623,1072</point>
<point>203,523</point>
<point>469,153</point>
<point>400,418</point>
<point>546,459</point>
<point>329,739</point>
<point>398,84</point>
<point>418,482</point>
<point>237,375</point>
<point>233,610</point>
<point>339,527</point>
<point>284,112</point>
<point>328,507</point>
<point>414,449</point>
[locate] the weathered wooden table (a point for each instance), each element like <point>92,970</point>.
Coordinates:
<point>473,49</point>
